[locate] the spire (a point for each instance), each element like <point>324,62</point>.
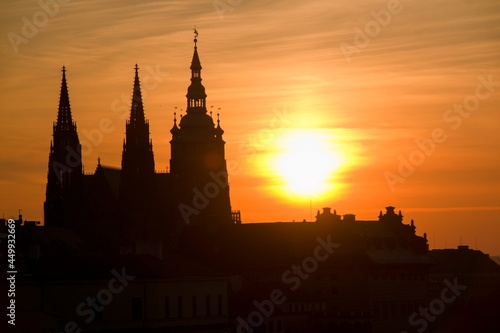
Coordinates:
<point>197,152</point>
<point>175,128</point>
<point>195,63</point>
<point>65,170</point>
<point>137,109</point>
<point>218,130</point>
<point>137,155</point>
<point>64,119</point>
<point>196,97</point>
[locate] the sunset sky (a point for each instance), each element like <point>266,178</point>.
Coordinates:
<point>373,103</point>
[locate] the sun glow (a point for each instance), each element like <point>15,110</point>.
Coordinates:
<point>306,163</point>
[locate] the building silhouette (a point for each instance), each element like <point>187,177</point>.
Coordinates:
<point>337,274</point>
<point>197,163</point>
<point>65,176</point>
<point>135,206</point>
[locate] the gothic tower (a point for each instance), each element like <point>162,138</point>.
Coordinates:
<point>65,176</point>
<point>197,164</point>
<point>137,180</point>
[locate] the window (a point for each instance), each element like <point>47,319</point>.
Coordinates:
<point>376,310</point>
<point>219,305</point>
<point>180,312</point>
<point>209,312</point>
<point>404,309</point>
<point>167,307</point>
<point>137,308</point>
<point>385,310</point>
<point>194,308</point>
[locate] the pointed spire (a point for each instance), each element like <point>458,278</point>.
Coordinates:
<point>175,128</point>
<point>218,130</point>
<point>195,63</point>
<point>196,96</point>
<point>64,119</point>
<point>137,109</point>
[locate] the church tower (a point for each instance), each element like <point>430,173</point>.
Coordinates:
<point>65,176</point>
<point>197,164</point>
<point>137,180</point>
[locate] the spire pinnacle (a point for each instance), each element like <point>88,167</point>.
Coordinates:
<point>137,109</point>
<point>64,119</point>
<point>196,92</point>
<point>175,128</point>
<point>218,130</point>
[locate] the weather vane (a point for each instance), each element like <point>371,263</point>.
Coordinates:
<point>195,37</point>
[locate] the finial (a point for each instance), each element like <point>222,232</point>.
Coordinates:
<point>218,120</point>
<point>98,161</point>
<point>64,70</point>
<point>136,69</point>
<point>195,36</point>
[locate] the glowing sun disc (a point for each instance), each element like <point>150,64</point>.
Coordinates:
<point>306,163</point>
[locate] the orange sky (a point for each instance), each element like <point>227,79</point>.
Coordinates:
<point>369,77</point>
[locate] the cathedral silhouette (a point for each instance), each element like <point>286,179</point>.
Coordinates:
<point>133,250</point>
<point>137,204</point>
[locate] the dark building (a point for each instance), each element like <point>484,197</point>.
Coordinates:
<point>139,196</point>
<point>197,164</point>
<point>337,274</point>
<point>474,305</point>
<point>135,208</point>
<point>64,191</point>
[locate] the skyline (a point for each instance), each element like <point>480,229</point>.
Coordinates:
<point>277,71</point>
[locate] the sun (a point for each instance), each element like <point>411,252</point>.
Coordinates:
<point>306,163</point>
